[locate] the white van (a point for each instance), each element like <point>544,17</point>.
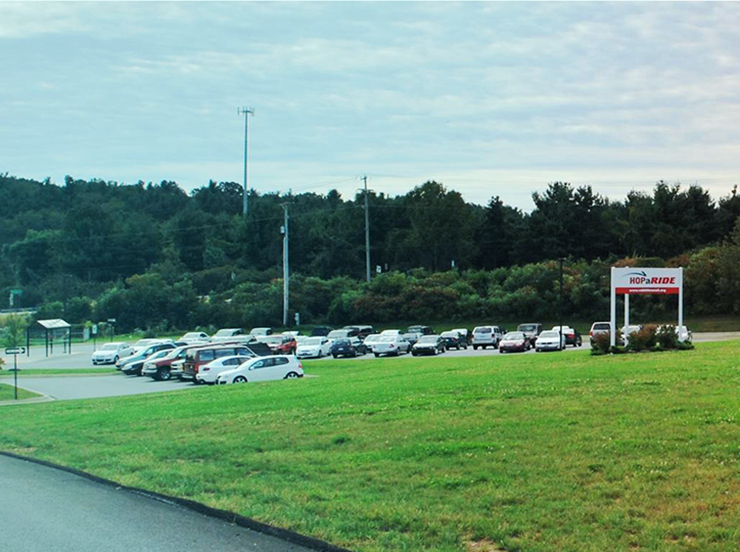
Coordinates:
<point>484,336</point>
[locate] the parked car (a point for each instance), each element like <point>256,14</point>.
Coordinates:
<point>314,347</point>
<point>391,345</point>
<point>134,363</point>
<point>423,330</point>
<point>550,340</point>
<point>627,331</point>
<point>111,353</point>
<point>145,343</point>
<point>464,333</point>
<point>209,373</point>
<point>195,337</point>
<point>279,344</point>
<point>390,332</point>
<point>572,337</point>
<point>486,336</point>
<point>161,368</point>
<point>260,331</point>
<point>598,328</point>
<point>321,331</point>
<point>514,341</point>
<point>412,337</point>
<point>348,347</point>
<point>429,345</point>
<point>263,369</point>
<point>362,331</point>
<point>453,340</point>
<point>228,334</point>
<point>369,340</point>
<point>343,334</point>
<point>531,330</point>
<point>137,366</point>
<point>200,356</point>
<point>684,334</point>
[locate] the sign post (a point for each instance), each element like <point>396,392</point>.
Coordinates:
<point>15,351</point>
<point>642,281</point>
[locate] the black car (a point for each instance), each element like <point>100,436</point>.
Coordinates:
<point>321,331</point>
<point>351,347</point>
<point>453,340</point>
<point>429,345</point>
<point>135,363</point>
<point>362,331</point>
<point>423,330</point>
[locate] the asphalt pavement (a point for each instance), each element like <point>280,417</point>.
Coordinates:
<point>45,509</point>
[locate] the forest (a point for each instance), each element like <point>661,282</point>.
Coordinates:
<point>154,256</point>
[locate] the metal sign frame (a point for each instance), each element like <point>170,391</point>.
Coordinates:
<point>643,281</point>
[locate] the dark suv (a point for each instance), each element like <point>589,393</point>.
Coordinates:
<point>348,347</point>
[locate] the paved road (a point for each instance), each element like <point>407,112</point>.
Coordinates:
<point>85,387</point>
<point>46,510</point>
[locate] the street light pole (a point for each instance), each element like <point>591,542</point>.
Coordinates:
<point>286,273</point>
<point>560,304</point>
<point>246,111</point>
<point>367,231</point>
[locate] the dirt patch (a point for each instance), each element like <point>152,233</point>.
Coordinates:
<point>483,545</point>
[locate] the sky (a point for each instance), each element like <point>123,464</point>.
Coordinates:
<point>491,99</point>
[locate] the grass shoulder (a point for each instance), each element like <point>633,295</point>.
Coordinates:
<point>7,393</point>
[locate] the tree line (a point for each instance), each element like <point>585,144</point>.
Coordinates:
<point>162,256</point>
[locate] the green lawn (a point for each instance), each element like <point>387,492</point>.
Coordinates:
<point>7,393</point>
<point>546,452</point>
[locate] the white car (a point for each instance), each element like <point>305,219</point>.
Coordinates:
<point>111,353</point>
<point>228,334</point>
<point>314,347</point>
<point>485,336</point>
<point>209,373</point>
<point>683,333</point>
<point>627,331</point>
<point>391,345</point>
<point>263,369</point>
<point>195,337</point>
<point>550,340</point>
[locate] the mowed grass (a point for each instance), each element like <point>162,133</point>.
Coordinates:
<point>7,393</point>
<point>544,452</point>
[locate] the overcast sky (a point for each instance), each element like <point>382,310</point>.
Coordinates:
<point>488,98</point>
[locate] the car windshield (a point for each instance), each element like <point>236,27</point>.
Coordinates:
<point>428,339</point>
<point>602,326</point>
<point>271,339</point>
<point>482,330</point>
<point>341,342</point>
<point>334,334</point>
<point>224,333</point>
<point>514,336</point>
<point>110,347</point>
<point>192,335</point>
<point>313,341</point>
<point>450,334</point>
<point>387,338</point>
<point>549,333</point>
<point>372,338</point>
<point>527,328</point>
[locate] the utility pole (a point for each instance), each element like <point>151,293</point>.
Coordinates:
<point>560,304</point>
<point>286,272</point>
<point>246,111</point>
<point>367,230</point>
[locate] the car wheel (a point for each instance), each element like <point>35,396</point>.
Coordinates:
<point>240,379</point>
<point>163,374</point>
<point>291,375</point>
<point>115,360</point>
<point>475,347</point>
<point>413,353</point>
<point>377,355</point>
<point>335,356</point>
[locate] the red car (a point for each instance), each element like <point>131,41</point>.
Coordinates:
<point>279,344</point>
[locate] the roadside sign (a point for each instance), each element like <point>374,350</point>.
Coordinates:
<point>111,321</point>
<point>15,351</point>
<point>94,329</point>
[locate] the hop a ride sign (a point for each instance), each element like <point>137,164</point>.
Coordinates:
<point>643,281</point>
<point>640,281</point>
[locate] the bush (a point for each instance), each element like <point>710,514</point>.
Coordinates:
<point>644,339</point>
<point>601,343</point>
<point>667,337</point>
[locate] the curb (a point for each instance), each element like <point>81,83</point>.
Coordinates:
<point>230,517</point>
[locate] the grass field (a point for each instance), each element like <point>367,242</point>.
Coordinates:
<point>7,393</point>
<point>547,452</point>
